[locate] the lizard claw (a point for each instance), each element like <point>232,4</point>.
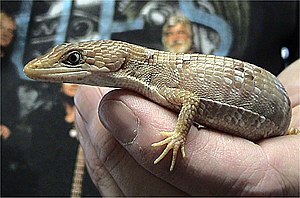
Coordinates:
<point>292,131</point>
<point>174,141</point>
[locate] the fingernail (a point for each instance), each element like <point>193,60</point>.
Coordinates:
<point>120,120</point>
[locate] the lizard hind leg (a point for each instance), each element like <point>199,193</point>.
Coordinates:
<point>174,141</point>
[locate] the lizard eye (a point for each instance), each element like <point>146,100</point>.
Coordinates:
<point>73,58</point>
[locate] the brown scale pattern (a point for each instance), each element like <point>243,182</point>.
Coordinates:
<point>233,89</point>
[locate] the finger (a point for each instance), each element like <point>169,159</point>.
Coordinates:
<point>98,172</point>
<point>124,170</point>
<point>142,131</point>
<point>290,78</point>
<point>284,163</point>
<point>215,162</point>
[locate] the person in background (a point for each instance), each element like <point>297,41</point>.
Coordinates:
<point>69,91</point>
<point>8,27</point>
<point>17,178</point>
<point>177,35</point>
<point>9,76</point>
<point>55,149</point>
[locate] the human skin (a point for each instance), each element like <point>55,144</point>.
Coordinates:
<point>4,131</point>
<point>69,89</point>
<point>7,28</point>
<point>178,39</point>
<point>119,156</point>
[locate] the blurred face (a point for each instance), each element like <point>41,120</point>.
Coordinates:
<point>177,39</point>
<point>7,28</point>
<point>69,89</point>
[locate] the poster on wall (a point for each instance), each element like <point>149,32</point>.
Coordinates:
<point>48,23</point>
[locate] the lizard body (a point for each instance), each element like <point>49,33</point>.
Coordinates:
<point>219,92</point>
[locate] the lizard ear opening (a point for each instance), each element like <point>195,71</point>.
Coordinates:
<point>116,65</point>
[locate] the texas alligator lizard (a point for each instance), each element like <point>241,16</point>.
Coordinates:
<point>219,92</point>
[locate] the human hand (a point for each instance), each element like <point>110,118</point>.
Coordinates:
<point>120,158</point>
<point>290,78</point>
<point>4,131</point>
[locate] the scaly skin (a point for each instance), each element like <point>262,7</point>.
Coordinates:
<point>219,92</point>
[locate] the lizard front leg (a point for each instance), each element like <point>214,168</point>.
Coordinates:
<point>176,139</point>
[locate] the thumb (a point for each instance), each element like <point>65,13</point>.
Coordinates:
<point>136,122</point>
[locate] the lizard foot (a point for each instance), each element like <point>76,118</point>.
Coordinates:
<point>174,141</point>
<point>292,131</point>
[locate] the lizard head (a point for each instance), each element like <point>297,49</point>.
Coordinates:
<point>73,62</point>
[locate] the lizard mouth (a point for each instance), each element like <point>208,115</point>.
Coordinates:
<point>56,74</point>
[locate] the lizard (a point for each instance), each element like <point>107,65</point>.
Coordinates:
<point>218,92</point>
